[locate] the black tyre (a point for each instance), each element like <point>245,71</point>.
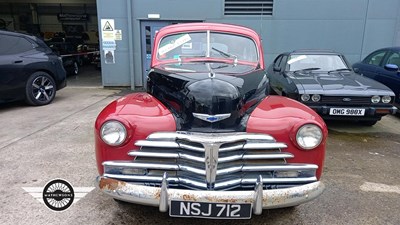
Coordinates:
<point>40,89</point>
<point>369,123</point>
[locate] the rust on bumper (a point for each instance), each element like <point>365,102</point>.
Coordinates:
<point>152,196</point>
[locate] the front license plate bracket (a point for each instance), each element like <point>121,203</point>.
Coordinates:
<point>346,112</point>
<point>210,210</point>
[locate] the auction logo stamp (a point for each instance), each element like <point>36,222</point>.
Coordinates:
<point>58,195</point>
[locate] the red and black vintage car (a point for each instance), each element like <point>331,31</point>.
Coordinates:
<point>206,139</point>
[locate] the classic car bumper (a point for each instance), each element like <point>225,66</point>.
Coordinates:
<point>371,113</point>
<point>161,196</point>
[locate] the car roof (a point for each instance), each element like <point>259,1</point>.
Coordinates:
<point>198,26</point>
<point>16,34</point>
<point>32,38</point>
<point>395,48</point>
<point>314,51</point>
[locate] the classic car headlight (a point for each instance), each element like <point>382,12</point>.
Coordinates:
<point>309,136</point>
<point>305,97</point>
<point>316,98</point>
<point>386,99</point>
<point>375,99</point>
<point>113,133</point>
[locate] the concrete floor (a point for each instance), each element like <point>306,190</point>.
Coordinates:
<point>88,76</point>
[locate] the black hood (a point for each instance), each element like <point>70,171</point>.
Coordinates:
<point>201,94</point>
<point>335,83</point>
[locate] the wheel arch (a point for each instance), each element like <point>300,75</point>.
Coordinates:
<point>42,70</point>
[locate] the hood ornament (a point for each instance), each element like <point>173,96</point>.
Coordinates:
<point>211,118</point>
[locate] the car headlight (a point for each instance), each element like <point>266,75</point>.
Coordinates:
<point>375,99</point>
<point>305,97</point>
<point>309,136</point>
<point>386,99</point>
<point>113,133</point>
<point>316,98</point>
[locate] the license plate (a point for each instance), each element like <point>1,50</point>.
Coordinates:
<point>210,210</point>
<point>346,112</point>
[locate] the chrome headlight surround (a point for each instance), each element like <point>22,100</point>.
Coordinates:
<point>386,99</point>
<point>316,98</point>
<point>113,133</point>
<point>375,99</point>
<point>309,136</point>
<point>305,97</point>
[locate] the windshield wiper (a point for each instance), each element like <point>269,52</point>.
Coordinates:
<point>307,69</point>
<point>338,70</point>
<point>226,55</point>
<point>189,56</point>
<point>219,67</point>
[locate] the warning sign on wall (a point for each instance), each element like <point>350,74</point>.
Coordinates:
<point>118,35</point>
<point>107,29</point>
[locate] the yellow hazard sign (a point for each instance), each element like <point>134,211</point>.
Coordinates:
<point>107,29</point>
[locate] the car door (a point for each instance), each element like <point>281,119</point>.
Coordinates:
<point>12,63</point>
<point>277,79</point>
<point>371,65</point>
<point>390,78</point>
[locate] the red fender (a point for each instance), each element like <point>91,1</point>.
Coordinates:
<point>133,110</point>
<point>281,117</point>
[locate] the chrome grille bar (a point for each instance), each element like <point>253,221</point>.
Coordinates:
<point>211,137</point>
<point>280,167</point>
<point>264,145</point>
<point>244,156</point>
<point>129,164</point>
<point>219,185</point>
<point>210,161</point>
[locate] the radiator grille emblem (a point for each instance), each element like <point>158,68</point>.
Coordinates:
<point>347,99</point>
<point>211,118</point>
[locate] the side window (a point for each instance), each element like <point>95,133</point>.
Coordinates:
<point>375,58</point>
<point>283,62</point>
<point>394,58</point>
<point>277,61</point>
<point>13,45</point>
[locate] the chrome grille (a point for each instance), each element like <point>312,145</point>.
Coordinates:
<point>219,161</point>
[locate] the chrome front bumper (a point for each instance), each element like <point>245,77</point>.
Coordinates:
<point>161,196</point>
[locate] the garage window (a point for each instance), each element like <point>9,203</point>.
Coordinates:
<point>13,45</point>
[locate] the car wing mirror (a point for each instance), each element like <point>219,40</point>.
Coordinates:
<point>391,67</point>
<point>55,49</point>
<point>277,69</point>
<point>356,70</point>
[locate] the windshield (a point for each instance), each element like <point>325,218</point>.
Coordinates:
<point>323,62</point>
<point>207,45</point>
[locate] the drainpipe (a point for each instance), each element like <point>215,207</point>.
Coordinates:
<point>365,27</point>
<point>130,43</point>
<point>396,36</point>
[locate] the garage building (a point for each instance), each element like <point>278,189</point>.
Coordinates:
<point>126,28</point>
